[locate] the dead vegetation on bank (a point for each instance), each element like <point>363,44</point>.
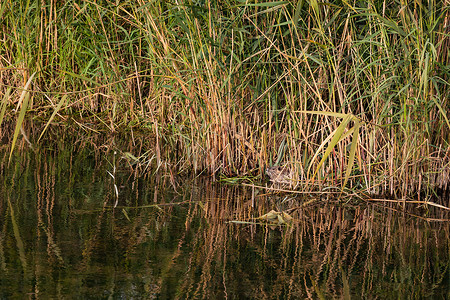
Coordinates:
<point>345,95</point>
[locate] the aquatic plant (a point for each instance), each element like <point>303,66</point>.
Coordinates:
<point>351,95</point>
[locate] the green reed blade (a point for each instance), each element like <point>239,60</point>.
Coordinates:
<point>441,110</point>
<point>25,97</point>
<point>324,113</point>
<point>266,4</point>
<point>336,138</point>
<point>281,151</point>
<point>4,104</point>
<point>60,104</point>
<point>24,91</point>
<point>351,157</point>
<point>19,122</point>
<point>298,9</point>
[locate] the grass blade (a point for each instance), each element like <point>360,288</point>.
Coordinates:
<point>4,105</point>
<point>351,157</point>
<point>25,98</point>
<point>19,122</point>
<point>298,9</point>
<point>336,138</point>
<point>25,91</point>
<point>60,104</point>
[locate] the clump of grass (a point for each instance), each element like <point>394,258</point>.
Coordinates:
<point>230,87</point>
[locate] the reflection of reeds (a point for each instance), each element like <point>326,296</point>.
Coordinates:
<point>230,87</point>
<point>329,251</point>
<point>182,244</point>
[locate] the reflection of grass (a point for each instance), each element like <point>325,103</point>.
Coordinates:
<point>168,244</point>
<point>329,251</point>
<point>229,87</point>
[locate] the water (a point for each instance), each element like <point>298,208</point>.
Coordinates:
<point>174,238</point>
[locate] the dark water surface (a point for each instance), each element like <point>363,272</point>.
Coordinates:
<point>170,238</point>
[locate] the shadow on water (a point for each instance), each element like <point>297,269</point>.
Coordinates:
<point>60,236</point>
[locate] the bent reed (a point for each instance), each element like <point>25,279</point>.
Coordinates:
<point>350,94</point>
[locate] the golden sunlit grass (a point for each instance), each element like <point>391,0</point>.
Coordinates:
<point>353,96</point>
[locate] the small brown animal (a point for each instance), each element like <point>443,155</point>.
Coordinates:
<point>280,175</point>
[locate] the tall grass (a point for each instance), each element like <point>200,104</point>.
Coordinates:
<point>228,87</point>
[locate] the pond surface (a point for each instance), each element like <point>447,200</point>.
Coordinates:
<point>175,238</point>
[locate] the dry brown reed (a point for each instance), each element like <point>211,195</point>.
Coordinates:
<point>228,87</point>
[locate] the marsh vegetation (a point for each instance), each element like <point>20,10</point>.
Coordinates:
<point>111,112</point>
<point>352,95</point>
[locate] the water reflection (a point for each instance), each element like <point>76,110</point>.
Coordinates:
<point>60,237</point>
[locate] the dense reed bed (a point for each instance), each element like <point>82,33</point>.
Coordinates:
<point>345,90</point>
